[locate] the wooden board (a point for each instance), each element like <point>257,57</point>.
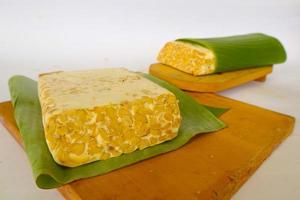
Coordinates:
<point>210,166</point>
<point>209,83</point>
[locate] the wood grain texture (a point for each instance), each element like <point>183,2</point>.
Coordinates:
<point>210,166</point>
<point>209,83</point>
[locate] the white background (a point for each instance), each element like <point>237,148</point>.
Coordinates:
<point>40,36</point>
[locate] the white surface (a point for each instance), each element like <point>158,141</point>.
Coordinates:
<point>39,36</point>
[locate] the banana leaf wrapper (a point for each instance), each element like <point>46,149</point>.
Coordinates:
<point>242,51</point>
<point>48,174</point>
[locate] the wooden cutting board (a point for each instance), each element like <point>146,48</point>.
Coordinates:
<point>209,83</point>
<point>210,166</point>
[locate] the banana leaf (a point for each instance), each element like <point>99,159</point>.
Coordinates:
<point>48,174</point>
<point>242,51</point>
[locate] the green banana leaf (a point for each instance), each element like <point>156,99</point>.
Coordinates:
<point>242,51</point>
<point>48,174</point>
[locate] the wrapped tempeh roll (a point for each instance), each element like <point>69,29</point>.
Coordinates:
<point>213,55</point>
